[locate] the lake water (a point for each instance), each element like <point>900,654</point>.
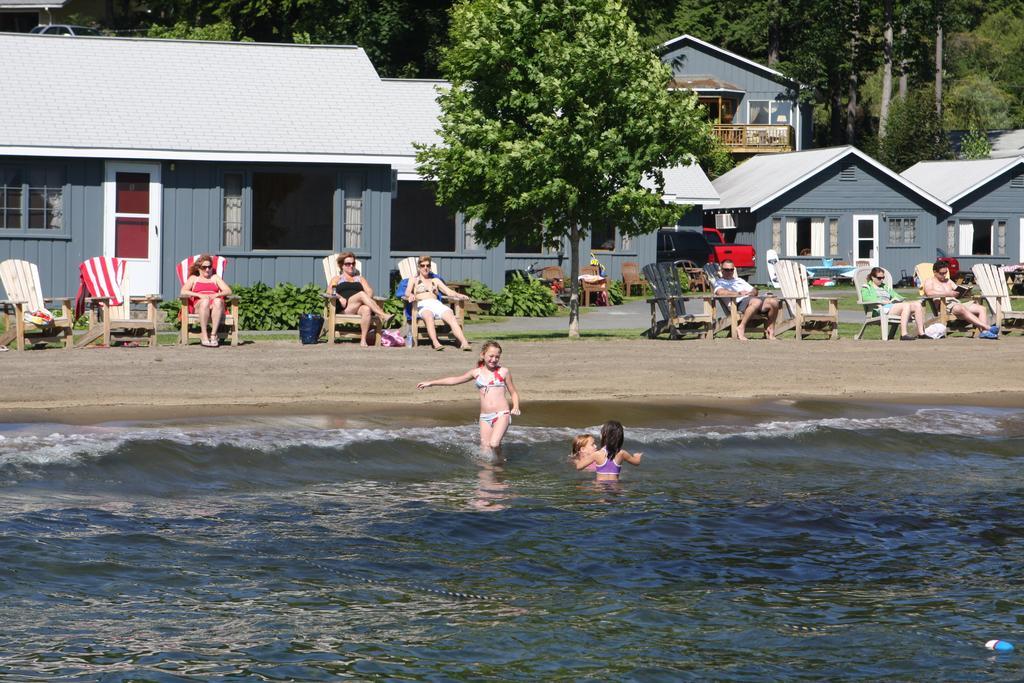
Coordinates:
<point>819,541</point>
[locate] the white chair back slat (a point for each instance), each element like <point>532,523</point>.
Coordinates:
<point>331,269</point>
<point>793,280</point>
<point>124,311</point>
<point>407,267</point>
<point>21,281</point>
<point>860,278</point>
<point>992,282</point>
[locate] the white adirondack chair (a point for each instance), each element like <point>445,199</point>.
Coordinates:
<point>107,280</point>
<point>24,295</point>
<point>342,325</point>
<point>407,268</point>
<point>992,282</point>
<point>873,310</point>
<point>797,294</point>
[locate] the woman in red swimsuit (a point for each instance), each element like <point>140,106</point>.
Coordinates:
<point>207,291</point>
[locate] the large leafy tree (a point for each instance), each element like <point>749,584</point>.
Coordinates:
<point>555,114</point>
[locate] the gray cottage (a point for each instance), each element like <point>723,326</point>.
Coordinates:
<point>755,109</point>
<point>987,199</point>
<point>271,155</point>
<point>833,203</point>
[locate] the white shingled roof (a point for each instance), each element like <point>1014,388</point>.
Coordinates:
<point>762,178</point>
<point>686,184</point>
<point>952,180</point>
<point>177,99</point>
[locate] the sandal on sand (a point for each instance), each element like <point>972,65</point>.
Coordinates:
<point>467,347</point>
<point>439,348</point>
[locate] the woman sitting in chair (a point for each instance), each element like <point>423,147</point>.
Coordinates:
<point>207,291</point>
<point>355,295</point>
<point>423,289</point>
<point>875,290</point>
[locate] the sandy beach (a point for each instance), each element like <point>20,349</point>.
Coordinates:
<point>280,377</point>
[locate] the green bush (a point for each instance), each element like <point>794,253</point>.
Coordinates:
<point>684,279</point>
<point>524,296</point>
<point>478,291</point>
<point>396,307</point>
<point>616,292</point>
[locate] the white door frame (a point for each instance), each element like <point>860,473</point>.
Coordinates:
<point>873,260</point>
<point>143,274</point>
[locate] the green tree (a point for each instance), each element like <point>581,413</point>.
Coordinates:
<point>975,145</point>
<point>555,114</point>
<point>914,132</point>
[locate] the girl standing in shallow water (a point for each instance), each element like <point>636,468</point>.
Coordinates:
<point>492,380</point>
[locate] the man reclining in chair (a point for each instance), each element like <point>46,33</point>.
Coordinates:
<point>941,287</point>
<point>748,303</point>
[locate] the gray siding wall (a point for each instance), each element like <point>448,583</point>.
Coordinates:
<point>695,59</point>
<point>996,201</point>
<point>58,257</point>
<point>191,221</point>
<point>871,193</point>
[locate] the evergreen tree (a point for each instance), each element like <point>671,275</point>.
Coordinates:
<point>914,132</point>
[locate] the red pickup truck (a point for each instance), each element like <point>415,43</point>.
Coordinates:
<point>741,254</point>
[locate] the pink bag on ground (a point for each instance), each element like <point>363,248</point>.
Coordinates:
<point>391,338</point>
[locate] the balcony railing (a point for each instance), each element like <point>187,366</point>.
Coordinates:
<point>756,138</point>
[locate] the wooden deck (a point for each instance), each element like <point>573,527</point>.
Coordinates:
<point>741,138</point>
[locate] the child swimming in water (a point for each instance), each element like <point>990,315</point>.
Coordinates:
<point>608,466</point>
<point>492,380</point>
<point>583,445</point>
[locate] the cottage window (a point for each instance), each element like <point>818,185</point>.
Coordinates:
<point>418,224</point>
<point>805,237</point>
<point>902,231</point>
<point>602,237</point>
<point>233,209</point>
<point>469,241</point>
<point>353,212</point>
<point>833,237</point>
<point>976,237</point>
<point>950,237</point>
<point>770,112</point>
<point>777,235</point>
<point>293,210</point>
<point>32,199</point>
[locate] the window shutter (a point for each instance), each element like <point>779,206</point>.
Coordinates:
<point>833,237</point>
<point>777,235</point>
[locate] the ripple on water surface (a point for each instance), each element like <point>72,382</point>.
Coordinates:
<point>818,542</point>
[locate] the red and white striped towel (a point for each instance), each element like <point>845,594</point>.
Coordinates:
<point>100,276</point>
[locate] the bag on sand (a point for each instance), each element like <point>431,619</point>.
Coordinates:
<point>391,338</point>
<point>935,331</point>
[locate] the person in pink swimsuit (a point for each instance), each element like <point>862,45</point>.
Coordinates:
<point>206,291</point>
<point>492,381</point>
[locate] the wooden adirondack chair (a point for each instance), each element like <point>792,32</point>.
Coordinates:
<point>229,325</point>
<point>110,304</point>
<point>797,295</point>
<point>343,325</point>
<point>24,295</point>
<point>631,278</point>
<point>994,290</point>
<point>940,314</point>
<point>873,312</point>
<point>407,268</point>
<point>669,300</point>
<point>730,318</point>
<point>698,278</point>
<point>590,286</point>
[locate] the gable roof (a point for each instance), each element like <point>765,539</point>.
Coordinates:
<point>179,99</point>
<point>687,39</point>
<point>765,177</point>
<point>953,180</point>
<point>685,184</point>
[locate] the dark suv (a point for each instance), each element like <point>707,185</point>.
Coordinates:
<point>683,245</point>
